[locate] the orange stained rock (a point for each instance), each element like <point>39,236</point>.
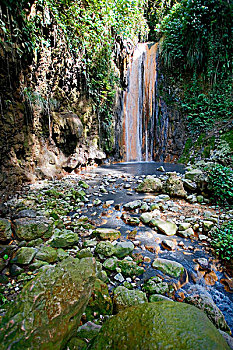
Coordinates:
<point>210,278</point>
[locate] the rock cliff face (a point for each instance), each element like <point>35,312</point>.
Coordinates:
<point>48,125</point>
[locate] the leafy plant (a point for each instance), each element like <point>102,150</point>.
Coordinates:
<point>220,184</point>
<point>222,241</point>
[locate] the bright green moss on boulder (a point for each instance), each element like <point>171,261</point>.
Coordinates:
<point>48,310</point>
<point>159,326</point>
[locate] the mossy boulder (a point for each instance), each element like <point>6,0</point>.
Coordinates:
<point>130,268</point>
<point>5,230</point>
<point>123,249</point>
<point>174,186</point>
<point>124,297</point>
<point>150,184</point>
<point>160,325</point>
<point>155,285</point>
<point>100,302</point>
<point>47,253</point>
<point>31,228</point>
<point>105,248</point>
<point>168,267</point>
<point>48,309</point>
<point>65,238</point>
<point>24,256</point>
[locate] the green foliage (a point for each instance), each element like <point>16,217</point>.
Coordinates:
<point>220,184</point>
<point>197,52</point>
<point>88,29</point>
<point>222,241</point>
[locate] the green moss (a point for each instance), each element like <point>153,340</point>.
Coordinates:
<point>186,152</point>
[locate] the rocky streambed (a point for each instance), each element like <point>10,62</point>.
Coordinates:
<point>78,250</point>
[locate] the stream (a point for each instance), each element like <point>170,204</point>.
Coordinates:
<point>119,181</point>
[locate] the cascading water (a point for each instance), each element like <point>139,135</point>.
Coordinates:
<point>140,104</point>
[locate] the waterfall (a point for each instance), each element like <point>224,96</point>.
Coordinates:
<point>139,101</point>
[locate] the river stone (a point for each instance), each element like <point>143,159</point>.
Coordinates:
<point>111,263</point>
<point>107,233</point>
<point>155,285</point>
<point>31,228</point>
<point>207,225</point>
<point>5,230</point>
<point>203,300</point>
<point>166,227</point>
<point>65,238</point>
<point>186,233</point>
<point>123,249</point>
<point>105,248</point>
<point>150,184</point>
<point>167,244</point>
<point>124,297</point>
<point>47,254</point>
<point>146,218</point>
<point>132,205</point>
<point>100,302</point>
<point>160,325</point>
<point>130,268</point>
<point>193,175</point>
<point>174,186</point>
<point>168,267</point>
<point>49,308</point>
<point>24,256</point>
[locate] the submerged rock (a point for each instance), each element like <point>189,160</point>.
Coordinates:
<point>160,325</point>
<point>123,249</point>
<point>48,309</point>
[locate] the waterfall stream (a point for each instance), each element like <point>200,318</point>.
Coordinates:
<point>140,104</point>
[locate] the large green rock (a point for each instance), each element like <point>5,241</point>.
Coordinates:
<point>5,230</point>
<point>161,325</point>
<point>150,184</point>
<point>168,267</point>
<point>48,309</point>
<point>100,302</point>
<point>31,228</point>
<point>124,297</point>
